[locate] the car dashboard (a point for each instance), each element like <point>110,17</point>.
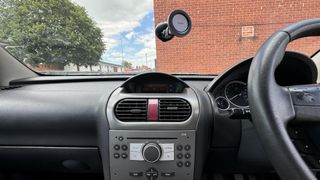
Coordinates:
<point>151,125</point>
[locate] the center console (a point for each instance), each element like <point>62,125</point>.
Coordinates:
<point>152,155</point>
<point>155,130</point>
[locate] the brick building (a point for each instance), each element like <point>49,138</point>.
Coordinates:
<point>225,32</point>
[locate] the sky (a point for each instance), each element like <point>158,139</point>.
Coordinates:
<point>127,26</point>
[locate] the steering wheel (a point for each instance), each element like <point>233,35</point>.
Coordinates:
<point>273,106</point>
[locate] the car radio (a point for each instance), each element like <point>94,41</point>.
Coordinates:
<point>152,155</point>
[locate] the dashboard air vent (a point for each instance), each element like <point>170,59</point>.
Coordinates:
<point>131,110</point>
<point>174,110</point>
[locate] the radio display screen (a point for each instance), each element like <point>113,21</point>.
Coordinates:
<point>155,88</point>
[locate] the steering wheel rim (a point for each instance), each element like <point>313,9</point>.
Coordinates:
<point>273,107</point>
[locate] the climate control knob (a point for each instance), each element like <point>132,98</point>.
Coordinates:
<point>151,152</point>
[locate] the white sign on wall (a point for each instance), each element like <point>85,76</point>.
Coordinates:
<point>247,31</point>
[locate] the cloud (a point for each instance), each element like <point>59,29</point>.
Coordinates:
<point>148,41</point>
<point>110,42</point>
<point>119,20</point>
<point>110,29</point>
<point>147,52</point>
<point>116,10</point>
<point>116,16</point>
<point>129,49</point>
<point>130,35</point>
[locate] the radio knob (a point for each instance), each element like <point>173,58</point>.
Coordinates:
<point>151,152</point>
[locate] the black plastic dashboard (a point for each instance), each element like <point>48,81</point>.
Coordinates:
<point>63,120</point>
<point>69,124</point>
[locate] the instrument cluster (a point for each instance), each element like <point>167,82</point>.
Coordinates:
<point>234,94</point>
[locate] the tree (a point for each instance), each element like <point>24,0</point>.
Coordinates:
<point>51,32</point>
<point>127,64</point>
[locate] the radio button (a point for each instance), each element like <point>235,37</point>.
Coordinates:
<point>116,147</point>
<point>179,148</point>
<point>187,163</point>
<point>180,156</point>
<point>187,155</point>
<point>135,174</point>
<point>136,147</point>
<point>124,156</point>
<point>167,147</point>
<point>152,174</point>
<point>180,164</point>
<point>168,156</point>
<point>167,174</point>
<point>124,147</point>
<point>136,156</point>
<point>116,155</point>
<point>187,147</point>
<point>151,152</point>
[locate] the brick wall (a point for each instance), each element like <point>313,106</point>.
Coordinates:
<point>215,42</point>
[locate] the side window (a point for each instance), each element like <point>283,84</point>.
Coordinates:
<point>316,59</point>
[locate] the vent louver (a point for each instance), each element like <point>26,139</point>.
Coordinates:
<point>174,110</point>
<point>131,110</point>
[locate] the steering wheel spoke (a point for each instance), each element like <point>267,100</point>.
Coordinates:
<point>306,102</point>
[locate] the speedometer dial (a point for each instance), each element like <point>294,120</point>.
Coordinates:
<point>237,93</point>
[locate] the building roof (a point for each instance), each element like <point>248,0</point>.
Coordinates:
<point>111,64</point>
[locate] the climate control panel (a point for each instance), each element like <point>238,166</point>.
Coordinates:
<point>152,155</point>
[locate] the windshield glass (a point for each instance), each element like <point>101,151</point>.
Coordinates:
<point>117,36</point>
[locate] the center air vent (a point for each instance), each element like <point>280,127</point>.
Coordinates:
<point>131,110</point>
<point>174,110</point>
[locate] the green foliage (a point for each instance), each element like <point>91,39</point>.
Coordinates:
<point>52,32</point>
<point>127,64</point>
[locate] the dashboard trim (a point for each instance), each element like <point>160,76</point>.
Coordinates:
<point>189,124</point>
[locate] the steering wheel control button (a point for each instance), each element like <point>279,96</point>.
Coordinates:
<point>124,147</point>
<point>187,155</point>
<point>152,174</point>
<point>167,174</point>
<point>151,152</point>
<point>179,147</point>
<point>116,147</point>
<point>135,174</point>
<point>187,147</point>
<point>303,147</point>
<point>180,156</point>
<point>124,156</point>
<point>180,164</point>
<point>116,155</point>
<point>187,163</point>
<point>295,133</point>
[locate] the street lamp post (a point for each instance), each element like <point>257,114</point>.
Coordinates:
<point>146,59</point>
<point>122,62</point>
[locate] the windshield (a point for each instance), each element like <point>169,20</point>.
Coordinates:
<point>117,36</point>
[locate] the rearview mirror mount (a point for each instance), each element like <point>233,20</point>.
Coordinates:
<point>178,24</point>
